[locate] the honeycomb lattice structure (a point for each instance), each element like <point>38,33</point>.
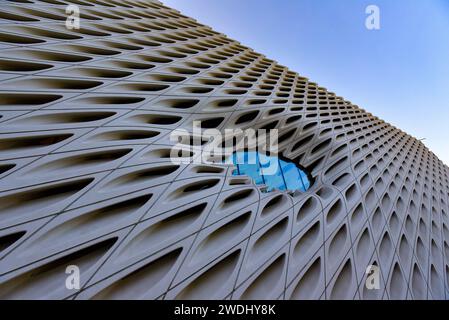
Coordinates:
<point>86,179</point>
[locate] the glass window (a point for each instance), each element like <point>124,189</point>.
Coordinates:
<point>275,173</point>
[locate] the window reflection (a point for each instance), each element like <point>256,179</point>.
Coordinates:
<point>275,173</point>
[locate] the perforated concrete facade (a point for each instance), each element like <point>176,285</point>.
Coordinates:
<point>86,179</point>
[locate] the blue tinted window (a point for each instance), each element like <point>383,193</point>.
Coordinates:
<point>275,173</point>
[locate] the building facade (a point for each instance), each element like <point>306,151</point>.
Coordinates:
<point>93,207</point>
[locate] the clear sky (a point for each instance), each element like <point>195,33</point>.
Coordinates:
<point>399,73</point>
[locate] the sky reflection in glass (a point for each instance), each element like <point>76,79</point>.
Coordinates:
<point>275,173</point>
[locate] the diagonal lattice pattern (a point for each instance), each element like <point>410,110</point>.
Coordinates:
<point>86,178</point>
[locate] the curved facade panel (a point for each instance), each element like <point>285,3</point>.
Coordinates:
<point>87,183</point>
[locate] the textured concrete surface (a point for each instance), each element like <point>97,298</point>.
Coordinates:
<point>86,179</point>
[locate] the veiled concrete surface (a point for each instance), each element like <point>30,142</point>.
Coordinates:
<point>86,178</point>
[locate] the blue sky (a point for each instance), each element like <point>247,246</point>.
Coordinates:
<point>399,73</point>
